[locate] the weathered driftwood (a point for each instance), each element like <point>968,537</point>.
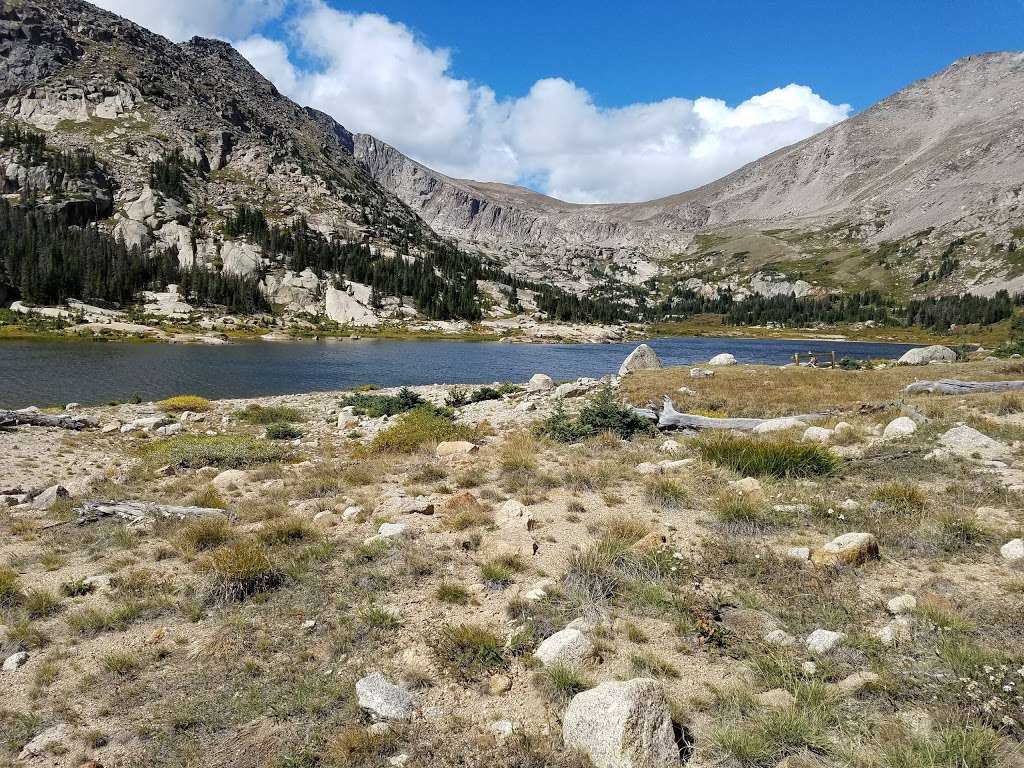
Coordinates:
<point>670,418</point>
<point>141,511</point>
<point>35,419</point>
<point>958,387</point>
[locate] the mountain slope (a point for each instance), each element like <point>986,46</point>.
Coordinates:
<point>945,153</point>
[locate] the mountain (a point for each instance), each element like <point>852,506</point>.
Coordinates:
<point>939,161</point>
<point>192,169</point>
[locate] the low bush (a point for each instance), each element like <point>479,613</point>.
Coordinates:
<point>767,458</point>
<point>600,414</point>
<point>182,403</point>
<point>469,650</point>
<point>382,405</point>
<point>282,431</point>
<point>243,569</point>
<point>269,414</point>
<point>419,427</point>
<point>203,533</point>
<point>223,451</point>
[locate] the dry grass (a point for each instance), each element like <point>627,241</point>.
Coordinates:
<point>767,391</point>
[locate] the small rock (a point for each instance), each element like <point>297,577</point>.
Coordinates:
<point>669,446</point>
<point>780,637</point>
<point>896,630</point>
<point>903,426</point>
<point>15,661</point>
<point>1013,550</point>
<point>514,515</point>
<point>499,684</point>
<point>824,640</point>
<point>454,448</point>
<point>701,373</point>
<point>569,647</point>
<point>857,682</point>
<point>724,358</point>
<point>325,519</point>
<point>49,740</point>
<point>799,553</point>
<point>748,486</point>
<point>501,729</point>
<point>539,590</point>
<point>817,435</point>
<point>779,425</point>
<point>383,700</point>
<point>809,668</point>
<point>901,605</point>
<point>848,549</point>
<point>404,505</point>
<point>229,479</point>
<point>392,530</point>
<point>849,505</point>
<point>113,426</point>
<point>351,513</point>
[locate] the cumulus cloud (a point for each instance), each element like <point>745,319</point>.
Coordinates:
<point>375,75</point>
<point>181,19</point>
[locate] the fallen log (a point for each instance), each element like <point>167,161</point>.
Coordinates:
<point>958,387</point>
<point>134,512</point>
<point>36,419</point>
<point>670,418</point>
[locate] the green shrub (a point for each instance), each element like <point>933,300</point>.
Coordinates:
<point>767,458</point>
<point>269,414</point>
<point>560,683</point>
<point>600,414</point>
<point>382,405</point>
<point>182,403</point>
<point>282,431</point>
<point>418,427</point>
<point>77,588</point>
<point>469,650</point>
<point>243,569</point>
<point>453,594</point>
<point>457,397</point>
<point>223,451</point>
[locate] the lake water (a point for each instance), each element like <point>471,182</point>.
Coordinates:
<point>53,373</point>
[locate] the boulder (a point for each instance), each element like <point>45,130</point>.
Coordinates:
<point>230,478</point>
<point>454,448</point>
<point>384,700</point>
<point>848,549</point>
<point>902,605</point>
<point>924,355</point>
<point>824,640</point>
<point>817,435</point>
<point>622,725</point>
<point>571,389</point>
<point>643,358</point>
<point>392,530</point>
<point>779,425</point>
<point>49,496</point>
<point>540,382</point>
<point>514,515</point>
<point>405,505</point>
<point>567,648</point>
<point>1013,550</point>
<point>15,661</point>
<point>904,426</point>
<point>723,359</point>
<point>968,442</point>
<point>701,373</point>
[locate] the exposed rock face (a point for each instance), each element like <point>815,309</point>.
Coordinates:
<point>622,725</point>
<point>943,152</point>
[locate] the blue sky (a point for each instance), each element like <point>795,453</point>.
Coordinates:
<point>853,52</point>
<point>591,101</point>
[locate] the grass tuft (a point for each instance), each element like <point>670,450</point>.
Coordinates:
<point>767,458</point>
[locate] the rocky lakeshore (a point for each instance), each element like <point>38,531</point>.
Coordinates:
<point>780,566</point>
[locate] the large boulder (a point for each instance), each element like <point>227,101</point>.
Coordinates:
<point>970,443</point>
<point>924,355</point>
<point>622,725</point>
<point>540,382</point>
<point>643,358</point>
<point>903,426</point>
<point>723,359</point>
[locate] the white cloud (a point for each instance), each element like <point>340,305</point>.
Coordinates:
<point>375,75</point>
<point>181,19</point>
